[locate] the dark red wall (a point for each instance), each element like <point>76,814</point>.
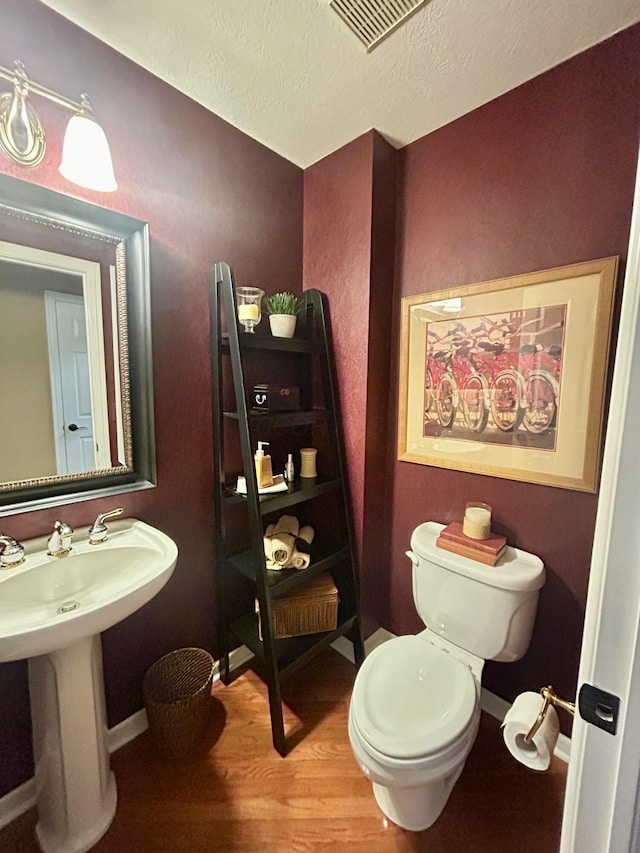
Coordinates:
<point>337,252</point>
<point>209,193</point>
<point>540,177</point>
<point>349,222</point>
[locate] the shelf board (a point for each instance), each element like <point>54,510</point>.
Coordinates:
<point>291,652</point>
<point>303,489</point>
<point>282,581</point>
<point>283,419</point>
<point>268,342</point>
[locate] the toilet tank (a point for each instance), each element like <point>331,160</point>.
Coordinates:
<point>487,610</point>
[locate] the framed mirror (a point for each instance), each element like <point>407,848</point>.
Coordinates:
<point>76,382</point>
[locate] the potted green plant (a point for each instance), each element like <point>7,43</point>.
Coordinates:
<point>282,308</point>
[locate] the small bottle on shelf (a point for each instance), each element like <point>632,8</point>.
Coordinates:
<point>289,471</point>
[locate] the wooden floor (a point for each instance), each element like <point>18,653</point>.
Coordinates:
<point>237,794</point>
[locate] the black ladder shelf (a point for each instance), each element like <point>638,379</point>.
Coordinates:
<point>240,520</point>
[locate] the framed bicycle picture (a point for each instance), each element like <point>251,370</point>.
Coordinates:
<point>507,377</point>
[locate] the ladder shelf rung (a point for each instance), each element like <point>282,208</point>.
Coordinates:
<point>264,342</point>
<point>302,490</point>
<point>291,652</point>
<point>282,581</point>
<point>271,420</point>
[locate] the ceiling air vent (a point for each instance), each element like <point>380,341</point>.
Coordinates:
<point>373,20</point>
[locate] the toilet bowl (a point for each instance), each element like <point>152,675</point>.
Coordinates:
<point>415,709</point>
<point>413,718</point>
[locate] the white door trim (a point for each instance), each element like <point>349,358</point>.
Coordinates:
<point>602,781</point>
<point>92,293</point>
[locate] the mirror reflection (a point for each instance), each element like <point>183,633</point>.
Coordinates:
<point>52,367</point>
<point>65,370</point>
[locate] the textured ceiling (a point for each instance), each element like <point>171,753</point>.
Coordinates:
<point>291,75</point>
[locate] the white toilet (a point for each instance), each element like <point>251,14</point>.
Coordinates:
<point>415,706</point>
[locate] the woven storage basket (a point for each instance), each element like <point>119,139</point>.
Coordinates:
<point>309,610</point>
<point>177,698</point>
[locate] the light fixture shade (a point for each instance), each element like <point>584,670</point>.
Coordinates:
<point>86,158</point>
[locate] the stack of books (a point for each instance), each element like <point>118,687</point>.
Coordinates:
<point>486,551</point>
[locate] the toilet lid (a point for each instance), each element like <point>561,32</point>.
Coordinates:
<point>411,699</point>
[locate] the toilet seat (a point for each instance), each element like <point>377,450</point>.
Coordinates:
<point>412,699</point>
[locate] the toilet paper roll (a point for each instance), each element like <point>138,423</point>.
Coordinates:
<point>517,722</point>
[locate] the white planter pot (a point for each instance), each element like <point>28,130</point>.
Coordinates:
<point>282,325</point>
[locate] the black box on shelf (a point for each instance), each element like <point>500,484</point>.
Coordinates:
<point>276,398</point>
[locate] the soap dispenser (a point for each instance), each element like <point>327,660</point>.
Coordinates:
<point>264,472</point>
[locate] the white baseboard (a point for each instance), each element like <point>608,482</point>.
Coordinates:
<point>345,647</point>
<point>17,802</point>
<point>127,730</point>
<point>21,799</point>
<point>237,658</point>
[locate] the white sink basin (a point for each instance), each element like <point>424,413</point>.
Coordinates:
<point>52,611</point>
<point>50,602</point>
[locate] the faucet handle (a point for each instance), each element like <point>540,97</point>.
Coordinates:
<point>98,530</point>
<point>59,543</point>
<point>11,552</point>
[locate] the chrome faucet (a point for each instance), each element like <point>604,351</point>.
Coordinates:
<point>59,543</point>
<point>11,552</point>
<point>98,530</point>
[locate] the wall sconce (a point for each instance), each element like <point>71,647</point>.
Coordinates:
<point>86,159</point>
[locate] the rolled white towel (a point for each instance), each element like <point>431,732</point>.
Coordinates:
<point>287,524</point>
<point>307,533</point>
<point>282,547</point>
<point>268,546</point>
<point>298,560</point>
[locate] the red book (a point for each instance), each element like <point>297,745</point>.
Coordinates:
<point>493,545</point>
<point>485,557</point>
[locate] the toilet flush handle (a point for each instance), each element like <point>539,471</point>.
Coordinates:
<point>413,557</point>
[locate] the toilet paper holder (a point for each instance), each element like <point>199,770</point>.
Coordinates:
<point>549,697</point>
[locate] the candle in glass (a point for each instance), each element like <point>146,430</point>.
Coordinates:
<point>249,300</point>
<point>477,521</point>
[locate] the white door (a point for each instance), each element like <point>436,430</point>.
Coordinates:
<point>601,803</point>
<point>71,390</point>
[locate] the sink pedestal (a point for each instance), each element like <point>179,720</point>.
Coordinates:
<point>76,788</point>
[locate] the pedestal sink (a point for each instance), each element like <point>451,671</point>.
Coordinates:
<point>52,610</point>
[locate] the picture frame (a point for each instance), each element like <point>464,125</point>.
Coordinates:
<point>507,378</point>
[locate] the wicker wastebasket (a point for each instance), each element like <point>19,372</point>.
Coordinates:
<point>177,698</point>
